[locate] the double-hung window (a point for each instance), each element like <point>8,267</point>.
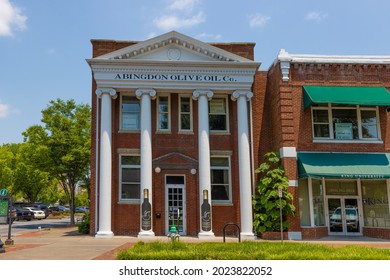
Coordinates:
<point>220,179</point>
<point>163,115</point>
<point>185,113</point>
<point>345,123</point>
<point>218,114</point>
<point>130,177</point>
<point>130,114</point>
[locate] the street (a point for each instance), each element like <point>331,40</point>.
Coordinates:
<point>20,226</point>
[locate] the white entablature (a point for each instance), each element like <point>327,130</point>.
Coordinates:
<point>173,61</point>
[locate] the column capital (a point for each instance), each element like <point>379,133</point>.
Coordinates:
<point>198,92</point>
<point>99,92</point>
<point>246,93</point>
<point>141,91</point>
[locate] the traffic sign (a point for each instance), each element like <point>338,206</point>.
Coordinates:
<point>3,192</point>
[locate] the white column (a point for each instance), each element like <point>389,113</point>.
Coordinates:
<point>106,95</point>
<point>145,95</point>
<point>204,155</point>
<point>244,164</point>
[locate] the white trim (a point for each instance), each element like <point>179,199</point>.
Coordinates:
<point>288,152</point>
<point>293,183</point>
<point>311,206</point>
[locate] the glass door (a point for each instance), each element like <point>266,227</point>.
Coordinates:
<point>175,204</point>
<point>343,216</point>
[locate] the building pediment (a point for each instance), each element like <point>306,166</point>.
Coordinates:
<point>173,46</point>
<point>175,161</point>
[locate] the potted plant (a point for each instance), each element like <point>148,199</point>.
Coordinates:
<point>266,201</point>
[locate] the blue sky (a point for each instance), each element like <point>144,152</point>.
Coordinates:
<point>44,43</point>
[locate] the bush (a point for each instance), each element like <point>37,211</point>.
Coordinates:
<point>84,226</point>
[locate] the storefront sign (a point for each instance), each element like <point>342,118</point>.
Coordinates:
<point>344,131</point>
<point>174,77</point>
<point>3,192</point>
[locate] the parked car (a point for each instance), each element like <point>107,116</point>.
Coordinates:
<point>24,214</point>
<point>44,208</point>
<point>351,217</point>
<point>63,208</point>
<point>38,213</point>
<point>82,209</point>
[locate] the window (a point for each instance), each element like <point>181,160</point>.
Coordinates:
<point>220,179</point>
<point>130,177</point>
<point>163,122</point>
<point>130,118</point>
<point>218,114</point>
<point>375,203</point>
<point>345,123</point>
<point>185,116</point>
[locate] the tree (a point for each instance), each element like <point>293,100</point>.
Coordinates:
<point>266,201</point>
<point>66,137</point>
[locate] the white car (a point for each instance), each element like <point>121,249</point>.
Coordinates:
<point>38,213</point>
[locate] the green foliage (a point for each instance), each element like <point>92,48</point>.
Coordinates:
<point>84,226</point>
<point>65,141</point>
<point>266,203</point>
<point>248,251</point>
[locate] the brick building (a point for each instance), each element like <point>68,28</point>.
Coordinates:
<point>179,126</point>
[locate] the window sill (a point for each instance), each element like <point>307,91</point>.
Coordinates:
<point>186,132</point>
<point>348,141</point>
<point>219,132</point>
<point>129,131</point>
<point>163,132</point>
<point>134,202</point>
<point>221,203</point>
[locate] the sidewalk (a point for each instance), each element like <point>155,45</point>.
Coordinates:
<point>67,244</point>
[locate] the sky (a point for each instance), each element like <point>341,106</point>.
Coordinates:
<point>44,43</point>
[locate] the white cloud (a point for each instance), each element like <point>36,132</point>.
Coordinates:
<point>258,20</point>
<point>4,110</point>
<point>209,36</point>
<point>183,4</point>
<point>316,16</point>
<point>171,22</point>
<point>10,17</point>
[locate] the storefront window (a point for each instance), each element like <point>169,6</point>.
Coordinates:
<point>318,202</point>
<point>130,118</point>
<point>345,122</point>
<point>375,203</point>
<point>341,187</point>
<point>304,210</point>
<point>220,179</point>
<point>130,177</point>
<point>218,114</point>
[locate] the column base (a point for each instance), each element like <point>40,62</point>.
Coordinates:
<point>104,234</point>
<point>146,234</point>
<point>206,234</point>
<point>247,236</point>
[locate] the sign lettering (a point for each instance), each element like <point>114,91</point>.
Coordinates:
<point>174,77</point>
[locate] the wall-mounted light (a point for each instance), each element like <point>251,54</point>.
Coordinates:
<point>193,171</point>
<point>157,169</point>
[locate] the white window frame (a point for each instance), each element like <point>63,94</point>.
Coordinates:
<point>120,176</point>
<point>229,169</point>
<point>358,110</point>
<point>158,113</point>
<point>190,113</point>
<point>121,115</point>
<point>226,113</point>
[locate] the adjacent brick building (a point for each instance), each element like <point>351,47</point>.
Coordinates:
<point>179,126</point>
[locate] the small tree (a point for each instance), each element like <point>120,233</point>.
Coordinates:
<point>266,201</point>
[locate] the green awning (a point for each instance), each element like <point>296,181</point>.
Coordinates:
<point>369,96</point>
<point>344,165</point>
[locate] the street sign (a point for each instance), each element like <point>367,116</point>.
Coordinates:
<point>280,193</point>
<point>3,192</point>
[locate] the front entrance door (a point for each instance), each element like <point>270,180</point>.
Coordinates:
<point>175,203</point>
<point>343,215</point>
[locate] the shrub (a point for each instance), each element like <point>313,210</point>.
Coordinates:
<point>84,225</point>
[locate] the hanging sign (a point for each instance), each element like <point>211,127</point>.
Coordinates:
<point>3,192</point>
